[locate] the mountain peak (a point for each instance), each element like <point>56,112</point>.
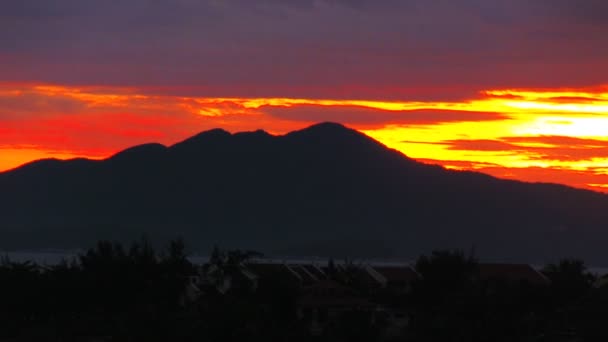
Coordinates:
<point>139,150</point>
<point>339,136</point>
<point>260,133</point>
<point>324,130</point>
<point>213,135</point>
<point>327,128</point>
<point>328,125</point>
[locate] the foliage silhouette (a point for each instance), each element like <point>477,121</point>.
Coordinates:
<point>131,293</point>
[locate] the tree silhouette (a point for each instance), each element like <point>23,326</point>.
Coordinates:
<point>447,298</point>
<point>224,265</point>
<point>447,268</point>
<point>570,279</point>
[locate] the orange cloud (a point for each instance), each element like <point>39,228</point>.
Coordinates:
<point>543,134</point>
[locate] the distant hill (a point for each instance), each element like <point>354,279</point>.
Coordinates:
<point>325,190</point>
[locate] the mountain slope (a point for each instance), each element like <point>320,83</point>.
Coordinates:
<point>325,190</point>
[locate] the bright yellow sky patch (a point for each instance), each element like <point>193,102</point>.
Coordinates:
<point>573,113</point>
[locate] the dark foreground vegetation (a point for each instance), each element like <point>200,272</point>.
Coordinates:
<point>113,293</point>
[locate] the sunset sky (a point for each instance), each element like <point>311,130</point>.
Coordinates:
<point>517,89</point>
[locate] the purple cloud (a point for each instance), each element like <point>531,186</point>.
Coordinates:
<point>322,48</point>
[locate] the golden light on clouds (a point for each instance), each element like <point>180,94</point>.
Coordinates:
<point>572,126</point>
<point>502,132</point>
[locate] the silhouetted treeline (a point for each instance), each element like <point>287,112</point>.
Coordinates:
<point>109,290</point>
<point>136,293</point>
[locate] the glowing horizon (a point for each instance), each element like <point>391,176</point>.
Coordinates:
<point>555,135</point>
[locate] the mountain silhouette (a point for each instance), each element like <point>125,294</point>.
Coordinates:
<point>326,190</point>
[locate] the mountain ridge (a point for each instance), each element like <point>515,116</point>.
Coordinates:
<point>323,190</point>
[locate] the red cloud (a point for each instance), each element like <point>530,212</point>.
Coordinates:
<point>364,116</point>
